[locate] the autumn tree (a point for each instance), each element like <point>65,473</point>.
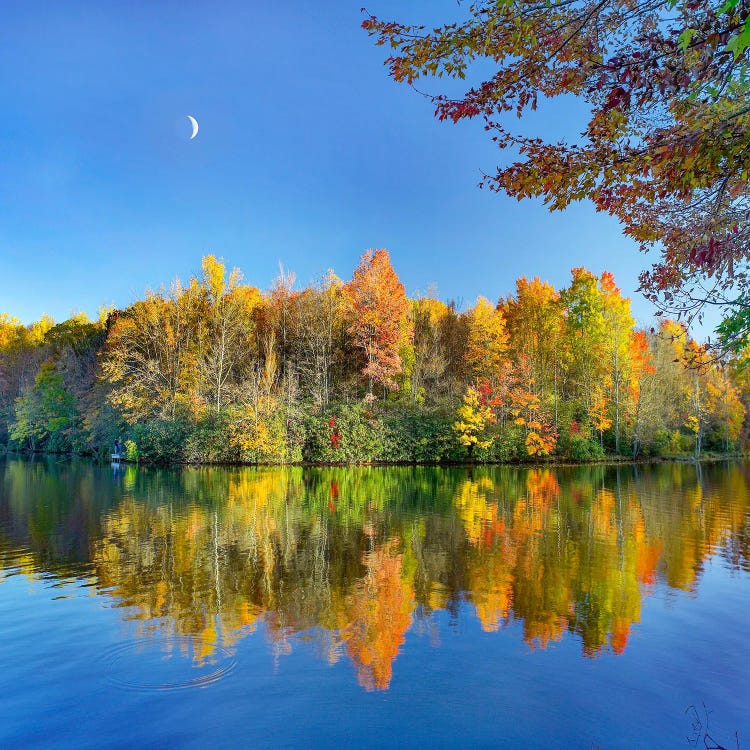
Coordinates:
<point>488,341</point>
<point>280,310</point>
<point>698,407</point>
<point>225,329</point>
<point>151,358</point>
<point>11,332</point>
<point>585,337</point>
<point>534,317</point>
<point>257,420</point>
<point>22,352</point>
<point>430,357</point>
<point>600,419</point>
<point>475,417</point>
<point>663,393</point>
<point>619,322</point>
<point>526,409</point>
<point>320,313</point>
<point>257,424</point>
<point>454,336</point>
<point>378,306</point>
<point>665,148</point>
<point>725,404</point>
<point>640,368</point>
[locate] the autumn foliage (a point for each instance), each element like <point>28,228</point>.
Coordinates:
<point>216,370</point>
<point>663,143</point>
<point>378,308</point>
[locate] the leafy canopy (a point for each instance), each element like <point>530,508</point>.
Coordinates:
<point>666,149</point>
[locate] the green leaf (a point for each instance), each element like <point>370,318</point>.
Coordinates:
<point>728,6</point>
<point>684,39</point>
<point>740,41</point>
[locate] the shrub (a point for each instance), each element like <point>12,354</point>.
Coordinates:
<point>585,449</point>
<point>508,444</point>
<point>58,442</point>
<point>419,434</point>
<point>208,442</point>
<point>348,433</point>
<point>161,442</point>
<point>131,451</point>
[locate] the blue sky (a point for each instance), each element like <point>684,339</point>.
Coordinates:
<point>308,154</point>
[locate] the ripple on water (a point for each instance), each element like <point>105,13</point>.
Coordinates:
<point>166,663</point>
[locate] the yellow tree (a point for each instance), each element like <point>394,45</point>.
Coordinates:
<point>729,410</point>
<point>599,414</point>
<point>225,328</point>
<point>256,426</point>
<point>724,409</point>
<point>21,354</point>
<point>488,341</point>
<point>150,354</point>
<point>11,334</point>
<point>534,319</point>
<point>696,362</point>
<point>641,367</point>
<point>430,356</point>
<point>474,418</point>
<point>617,347</point>
<point>320,327</point>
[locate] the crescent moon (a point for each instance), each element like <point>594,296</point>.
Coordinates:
<point>194,123</point>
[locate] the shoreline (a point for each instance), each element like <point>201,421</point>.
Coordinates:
<point>556,462</point>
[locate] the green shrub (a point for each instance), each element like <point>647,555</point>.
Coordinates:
<point>671,443</point>
<point>416,433</point>
<point>161,442</point>
<point>510,445</point>
<point>661,442</point>
<point>679,443</point>
<point>209,442</point>
<point>585,449</point>
<point>507,445</point>
<point>348,433</point>
<point>131,451</point>
<point>58,442</point>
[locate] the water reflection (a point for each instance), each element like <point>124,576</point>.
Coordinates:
<point>351,559</point>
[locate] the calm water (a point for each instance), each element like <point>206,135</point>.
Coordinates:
<point>373,607</point>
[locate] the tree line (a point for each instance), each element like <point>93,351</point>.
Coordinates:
<point>215,370</point>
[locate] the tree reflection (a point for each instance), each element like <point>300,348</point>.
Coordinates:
<point>350,559</point>
<point>376,614</point>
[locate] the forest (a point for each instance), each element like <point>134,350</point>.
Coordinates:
<point>214,370</point>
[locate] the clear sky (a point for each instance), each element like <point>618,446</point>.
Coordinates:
<point>308,154</point>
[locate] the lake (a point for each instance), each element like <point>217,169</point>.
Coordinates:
<point>372,607</point>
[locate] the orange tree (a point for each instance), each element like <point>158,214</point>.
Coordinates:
<point>378,317</point>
